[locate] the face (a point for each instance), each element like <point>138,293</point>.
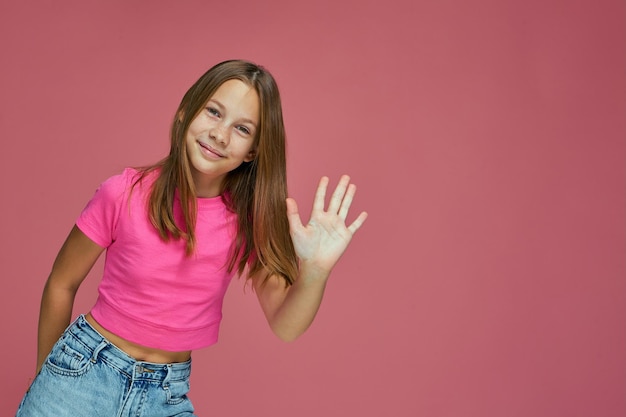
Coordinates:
<point>221,137</point>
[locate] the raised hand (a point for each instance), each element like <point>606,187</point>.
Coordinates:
<point>325,237</point>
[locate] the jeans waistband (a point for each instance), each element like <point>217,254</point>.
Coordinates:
<point>117,358</point>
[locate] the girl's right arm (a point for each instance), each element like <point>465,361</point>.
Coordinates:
<point>75,259</point>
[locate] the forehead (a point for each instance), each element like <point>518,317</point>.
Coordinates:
<point>239,98</point>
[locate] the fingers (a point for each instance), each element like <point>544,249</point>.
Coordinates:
<point>356,224</point>
<point>338,196</point>
<point>320,195</point>
<point>347,201</point>
<point>340,201</point>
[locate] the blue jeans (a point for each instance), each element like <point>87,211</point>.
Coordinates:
<point>86,376</point>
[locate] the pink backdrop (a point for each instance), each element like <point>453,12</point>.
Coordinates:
<point>487,141</point>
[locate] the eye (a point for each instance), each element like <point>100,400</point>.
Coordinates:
<point>244,130</point>
<point>213,112</point>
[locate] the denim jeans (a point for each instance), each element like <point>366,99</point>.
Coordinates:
<point>86,376</point>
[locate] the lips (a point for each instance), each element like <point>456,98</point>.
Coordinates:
<point>210,150</point>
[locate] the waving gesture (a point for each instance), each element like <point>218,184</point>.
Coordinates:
<point>323,240</point>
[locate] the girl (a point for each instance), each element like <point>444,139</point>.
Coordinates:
<point>175,234</point>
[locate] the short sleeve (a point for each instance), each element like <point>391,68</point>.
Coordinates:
<point>98,219</point>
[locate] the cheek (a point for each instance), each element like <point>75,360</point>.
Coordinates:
<point>191,131</point>
<point>186,145</point>
<point>191,135</point>
<point>196,126</point>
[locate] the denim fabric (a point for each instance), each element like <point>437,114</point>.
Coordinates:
<point>86,376</point>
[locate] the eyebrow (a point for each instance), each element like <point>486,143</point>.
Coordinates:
<point>244,119</point>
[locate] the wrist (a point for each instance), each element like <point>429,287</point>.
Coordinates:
<point>312,271</point>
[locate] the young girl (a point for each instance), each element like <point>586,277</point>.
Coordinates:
<point>175,234</point>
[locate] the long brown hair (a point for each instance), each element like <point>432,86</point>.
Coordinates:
<point>255,191</point>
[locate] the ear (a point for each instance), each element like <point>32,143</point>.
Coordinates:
<point>181,114</point>
<point>251,155</point>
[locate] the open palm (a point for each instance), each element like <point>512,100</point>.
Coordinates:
<point>323,240</point>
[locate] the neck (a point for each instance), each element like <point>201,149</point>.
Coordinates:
<point>207,187</point>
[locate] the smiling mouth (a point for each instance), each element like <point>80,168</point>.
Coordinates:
<point>211,150</point>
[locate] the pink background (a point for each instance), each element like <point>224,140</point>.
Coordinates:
<point>487,141</point>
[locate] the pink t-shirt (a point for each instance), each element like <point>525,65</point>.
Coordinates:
<point>151,293</point>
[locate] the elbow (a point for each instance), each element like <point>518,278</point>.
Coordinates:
<point>286,335</point>
<point>287,338</point>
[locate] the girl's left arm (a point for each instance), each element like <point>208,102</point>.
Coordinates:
<point>319,244</point>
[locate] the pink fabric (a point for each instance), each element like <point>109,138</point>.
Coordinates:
<point>151,293</point>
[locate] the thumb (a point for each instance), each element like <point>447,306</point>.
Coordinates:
<point>293,216</point>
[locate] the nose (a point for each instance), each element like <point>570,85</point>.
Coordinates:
<point>219,133</point>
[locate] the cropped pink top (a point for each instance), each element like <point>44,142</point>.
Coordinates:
<point>151,293</point>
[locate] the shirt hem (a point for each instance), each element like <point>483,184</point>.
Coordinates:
<point>153,335</point>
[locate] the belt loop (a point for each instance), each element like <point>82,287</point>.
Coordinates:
<point>96,352</point>
<point>168,375</point>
